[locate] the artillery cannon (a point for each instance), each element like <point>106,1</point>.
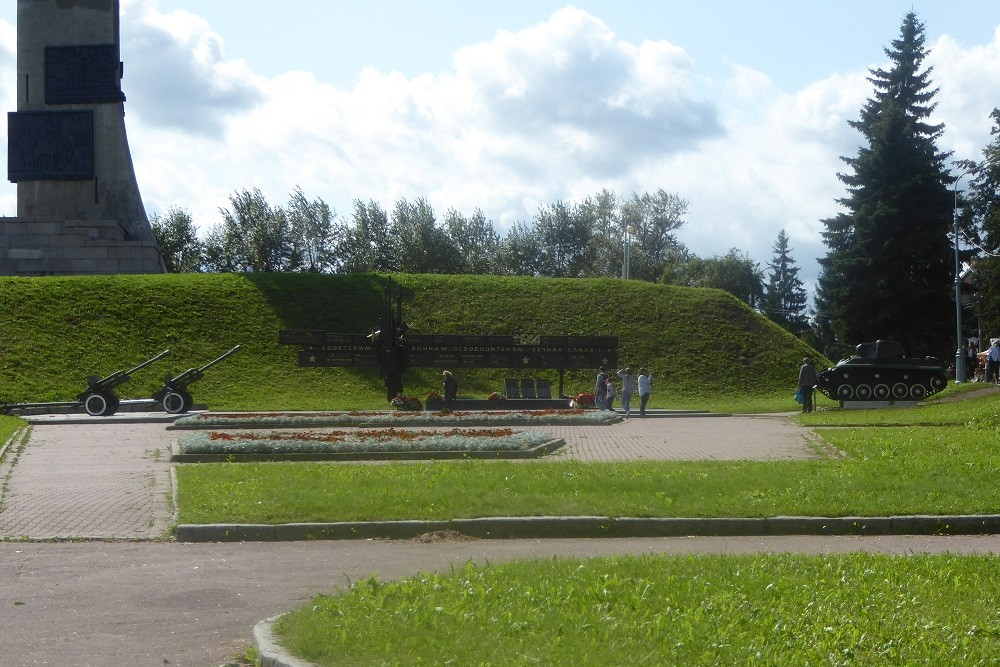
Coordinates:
<point>174,395</point>
<point>99,399</point>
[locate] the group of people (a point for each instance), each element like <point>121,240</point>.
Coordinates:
<point>605,392</point>
<point>972,365</point>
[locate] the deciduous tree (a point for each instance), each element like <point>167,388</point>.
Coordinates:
<point>177,237</point>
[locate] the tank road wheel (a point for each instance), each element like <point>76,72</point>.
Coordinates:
<point>900,390</point>
<point>863,391</point>
<point>881,391</point>
<point>845,392</point>
<point>918,391</point>
<point>938,383</point>
<point>99,405</point>
<point>177,402</point>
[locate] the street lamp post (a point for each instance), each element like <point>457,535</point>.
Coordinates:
<point>629,232</point>
<point>960,350</point>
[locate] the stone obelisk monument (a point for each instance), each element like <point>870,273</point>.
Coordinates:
<point>79,210</point>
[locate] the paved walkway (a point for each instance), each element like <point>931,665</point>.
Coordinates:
<point>103,480</point>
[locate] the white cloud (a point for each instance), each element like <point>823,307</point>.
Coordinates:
<point>176,73</point>
<point>970,89</point>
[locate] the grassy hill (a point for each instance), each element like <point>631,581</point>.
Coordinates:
<point>704,347</point>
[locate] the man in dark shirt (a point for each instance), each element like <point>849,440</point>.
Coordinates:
<point>807,380</point>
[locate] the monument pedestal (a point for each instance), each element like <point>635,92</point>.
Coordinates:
<point>57,247</point>
<point>79,209</point>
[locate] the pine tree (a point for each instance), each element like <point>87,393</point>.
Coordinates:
<point>785,296</point>
<point>888,270</point>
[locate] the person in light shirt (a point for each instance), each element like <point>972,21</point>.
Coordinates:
<point>645,389</point>
<point>993,361</point>
<point>628,388</point>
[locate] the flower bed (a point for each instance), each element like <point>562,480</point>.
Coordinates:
<point>387,443</point>
<point>399,418</point>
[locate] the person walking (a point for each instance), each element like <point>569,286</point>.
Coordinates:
<point>628,388</point>
<point>601,389</point>
<point>645,388</point>
<point>993,361</point>
<point>450,386</point>
<point>807,380</point>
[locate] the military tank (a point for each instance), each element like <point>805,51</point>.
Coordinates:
<point>881,372</point>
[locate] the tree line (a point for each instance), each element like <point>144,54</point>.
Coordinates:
<point>584,239</point>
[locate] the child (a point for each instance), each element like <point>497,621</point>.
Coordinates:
<point>609,399</point>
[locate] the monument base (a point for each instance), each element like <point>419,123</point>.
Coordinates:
<point>875,405</point>
<point>53,247</point>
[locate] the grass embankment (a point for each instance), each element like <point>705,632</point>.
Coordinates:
<point>706,349</point>
<point>692,610</point>
<point>951,469</point>
<point>8,427</point>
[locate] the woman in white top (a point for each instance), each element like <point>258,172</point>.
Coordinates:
<point>628,387</point>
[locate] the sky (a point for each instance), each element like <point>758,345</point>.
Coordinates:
<point>740,108</point>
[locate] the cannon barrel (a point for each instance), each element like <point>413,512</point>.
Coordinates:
<point>218,359</point>
<point>192,375</point>
<point>174,394</point>
<point>119,377</point>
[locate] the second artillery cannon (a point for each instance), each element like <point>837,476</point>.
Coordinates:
<point>174,395</point>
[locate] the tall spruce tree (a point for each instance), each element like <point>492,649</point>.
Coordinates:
<point>888,270</point>
<point>785,296</point>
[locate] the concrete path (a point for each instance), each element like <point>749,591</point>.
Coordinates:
<point>159,603</point>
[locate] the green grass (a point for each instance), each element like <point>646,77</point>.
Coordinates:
<point>8,426</point>
<point>705,348</point>
<point>885,471</point>
<point>979,412</point>
<point>691,610</point>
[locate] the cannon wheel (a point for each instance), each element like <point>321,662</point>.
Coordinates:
<point>177,402</point>
<point>101,404</point>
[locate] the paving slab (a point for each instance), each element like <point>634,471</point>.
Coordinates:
<point>98,481</point>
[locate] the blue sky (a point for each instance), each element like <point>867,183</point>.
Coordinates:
<point>741,108</point>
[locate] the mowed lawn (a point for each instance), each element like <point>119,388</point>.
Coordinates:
<point>948,468</point>
<point>859,609</point>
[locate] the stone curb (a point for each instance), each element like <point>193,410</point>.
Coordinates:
<point>595,527</point>
<point>269,652</point>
